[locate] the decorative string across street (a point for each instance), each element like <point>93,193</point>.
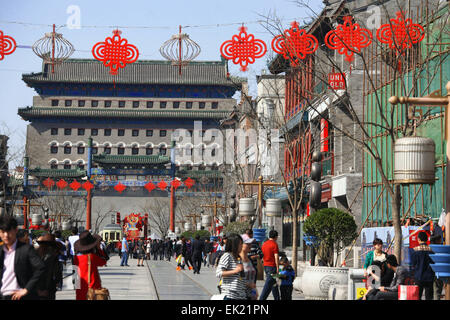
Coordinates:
<point>293,44</point>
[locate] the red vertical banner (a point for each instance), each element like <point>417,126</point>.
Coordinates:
<point>324,142</point>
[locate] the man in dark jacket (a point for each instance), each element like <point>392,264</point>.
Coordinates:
<point>168,249</point>
<point>198,247</point>
<point>401,274</point>
<point>420,261</point>
<point>20,266</point>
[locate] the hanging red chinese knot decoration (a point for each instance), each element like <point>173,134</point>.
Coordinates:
<point>175,183</point>
<point>243,49</point>
<point>162,185</point>
<point>61,184</point>
<point>120,187</point>
<point>294,44</point>
<point>189,182</point>
<point>348,38</point>
<point>400,34</point>
<point>75,185</point>
<point>87,186</point>
<point>115,52</point>
<point>48,183</point>
<point>7,45</point>
<point>149,186</point>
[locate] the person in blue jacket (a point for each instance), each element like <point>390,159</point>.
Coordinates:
<point>287,276</point>
<point>420,262</point>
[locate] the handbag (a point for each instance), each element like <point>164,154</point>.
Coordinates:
<point>95,294</point>
<point>408,292</point>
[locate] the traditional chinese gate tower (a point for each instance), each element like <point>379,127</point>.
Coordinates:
<point>130,118</point>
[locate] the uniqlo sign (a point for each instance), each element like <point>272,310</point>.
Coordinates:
<point>336,81</point>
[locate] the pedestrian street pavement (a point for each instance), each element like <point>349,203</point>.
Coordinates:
<point>157,280</point>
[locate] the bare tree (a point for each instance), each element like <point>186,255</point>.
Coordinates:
<point>410,62</point>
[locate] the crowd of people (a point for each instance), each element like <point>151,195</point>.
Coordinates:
<point>385,275</point>
<point>32,269</point>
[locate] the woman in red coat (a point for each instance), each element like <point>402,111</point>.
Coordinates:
<point>88,245</point>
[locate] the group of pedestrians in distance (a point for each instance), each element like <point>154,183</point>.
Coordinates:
<point>34,271</point>
<point>385,275</point>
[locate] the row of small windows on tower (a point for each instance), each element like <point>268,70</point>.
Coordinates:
<point>134,150</point>
<point>106,150</point>
<point>135,104</point>
<point>107,132</point>
<point>68,166</point>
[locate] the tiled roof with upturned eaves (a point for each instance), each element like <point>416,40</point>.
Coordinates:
<point>45,112</point>
<point>141,72</point>
<point>132,159</point>
<point>58,173</point>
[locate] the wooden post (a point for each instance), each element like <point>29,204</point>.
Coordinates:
<point>214,206</point>
<point>261,184</point>
<point>433,101</point>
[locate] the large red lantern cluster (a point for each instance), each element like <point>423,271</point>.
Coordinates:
<point>295,44</point>
<point>7,45</point>
<point>243,49</point>
<point>115,52</point>
<point>348,38</point>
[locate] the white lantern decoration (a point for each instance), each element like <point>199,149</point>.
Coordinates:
<point>273,207</point>
<point>246,207</point>
<point>414,160</point>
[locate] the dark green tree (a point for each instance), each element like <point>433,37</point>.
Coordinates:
<point>335,229</point>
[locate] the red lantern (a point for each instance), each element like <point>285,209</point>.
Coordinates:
<point>150,186</point>
<point>400,34</point>
<point>175,183</point>
<point>7,45</point>
<point>348,38</point>
<point>243,49</point>
<point>48,183</point>
<point>87,186</point>
<point>120,187</point>
<point>115,52</point>
<point>75,185</point>
<point>189,182</point>
<point>61,184</point>
<point>294,44</point>
<point>162,185</point>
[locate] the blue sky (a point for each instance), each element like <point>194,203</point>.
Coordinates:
<point>209,23</point>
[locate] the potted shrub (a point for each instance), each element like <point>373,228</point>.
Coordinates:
<point>333,229</point>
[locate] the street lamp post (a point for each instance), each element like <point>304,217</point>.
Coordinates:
<point>433,101</point>
<point>214,206</point>
<point>261,184</point>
